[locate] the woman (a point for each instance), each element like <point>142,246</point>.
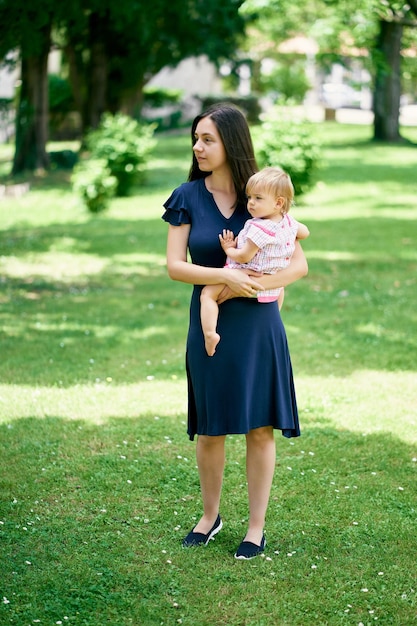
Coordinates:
<point>247,386</point>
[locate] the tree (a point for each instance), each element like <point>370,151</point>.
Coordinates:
<point>28,31</point>
<point>394,18</point>
<point>112,50</point>
<point>115,48</point>
<point>378,26</point>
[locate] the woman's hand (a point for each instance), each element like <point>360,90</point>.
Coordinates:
<point>240,283</point>
<point>226,294</point>
<point>238,286</point>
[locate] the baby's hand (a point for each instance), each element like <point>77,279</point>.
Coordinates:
<point>227,240</point>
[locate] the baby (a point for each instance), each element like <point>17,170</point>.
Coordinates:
<point>265,244</point>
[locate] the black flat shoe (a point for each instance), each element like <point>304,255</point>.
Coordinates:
<point>199,539</point>
<point>248,550</point>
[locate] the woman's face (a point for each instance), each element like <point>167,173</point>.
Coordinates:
<point>208,147</point>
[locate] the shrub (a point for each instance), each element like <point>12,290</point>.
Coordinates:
<point>59,94</point>
<point>124,144</point>
<point>290,143</point>
<point>61,102</point>
<point>63,159</point>
<point>162,107</point>
<point>155,97</point>
<point>93,181</point>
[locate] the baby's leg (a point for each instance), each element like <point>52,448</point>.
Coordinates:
<point>209,313</point>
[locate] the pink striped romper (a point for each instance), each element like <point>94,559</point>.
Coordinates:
<point>276,243</point>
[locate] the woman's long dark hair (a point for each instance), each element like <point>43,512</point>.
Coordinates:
<point>235,135</point>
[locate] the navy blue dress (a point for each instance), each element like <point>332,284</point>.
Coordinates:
<point>248,383</point>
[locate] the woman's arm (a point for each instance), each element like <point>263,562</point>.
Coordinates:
<point>296,269</point>
<point>303,231</point>
<point>180,269</point>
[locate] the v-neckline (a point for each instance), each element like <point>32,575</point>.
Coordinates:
<point>216,205</point>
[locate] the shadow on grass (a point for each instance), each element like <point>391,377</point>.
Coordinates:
<point>353,312</point>
<point>93,516</point>
<point>103,237</point>
<point>78,334</point>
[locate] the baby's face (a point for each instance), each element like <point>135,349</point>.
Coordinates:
<point>264,205</point>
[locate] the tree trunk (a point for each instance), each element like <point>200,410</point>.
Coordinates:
<point>387,89</point>
<point>96,102</point>
<point>33,110</point>
<point>76,79</point>
<point>131,101</point>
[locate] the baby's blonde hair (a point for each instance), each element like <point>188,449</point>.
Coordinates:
<point>272,181</point>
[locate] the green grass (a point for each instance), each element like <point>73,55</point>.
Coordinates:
<point>98,479</point>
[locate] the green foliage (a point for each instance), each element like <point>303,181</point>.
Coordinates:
<point>155,97</point>
<point>409,77</point>
<point>63,159</point>
<point>288,81</point>
<point>248,104</point>
<point>93,181</point>
<point>141,38</point>
<point>162,107</point>
<point>60,100</point>
<point>59,94</point>
<point>290,143</point>
<point>124,144</point>
<point>6,115</point>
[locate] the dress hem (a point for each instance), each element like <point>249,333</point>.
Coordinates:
<point>288,433</point>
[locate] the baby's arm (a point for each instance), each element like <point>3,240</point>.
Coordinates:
<point>302,232</point>
<point>240,255</point>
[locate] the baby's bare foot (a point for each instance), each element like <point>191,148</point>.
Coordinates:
<point>211,341</point>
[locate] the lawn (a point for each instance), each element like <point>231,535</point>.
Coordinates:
<point>98,478</point>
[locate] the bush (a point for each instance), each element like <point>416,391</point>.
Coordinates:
<point>63,159</point>
<point>93,181</point>
<point>162,107</point>
<point>61,102</point>
<point>156,97</point>
<point>59,94</point>
<point>124,144</point>
<point>291,144</point>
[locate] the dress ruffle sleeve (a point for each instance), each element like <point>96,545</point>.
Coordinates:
<point>176,212</point>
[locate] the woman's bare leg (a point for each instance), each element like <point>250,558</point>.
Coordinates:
<point>210,461</point>
<point>260,466</point>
